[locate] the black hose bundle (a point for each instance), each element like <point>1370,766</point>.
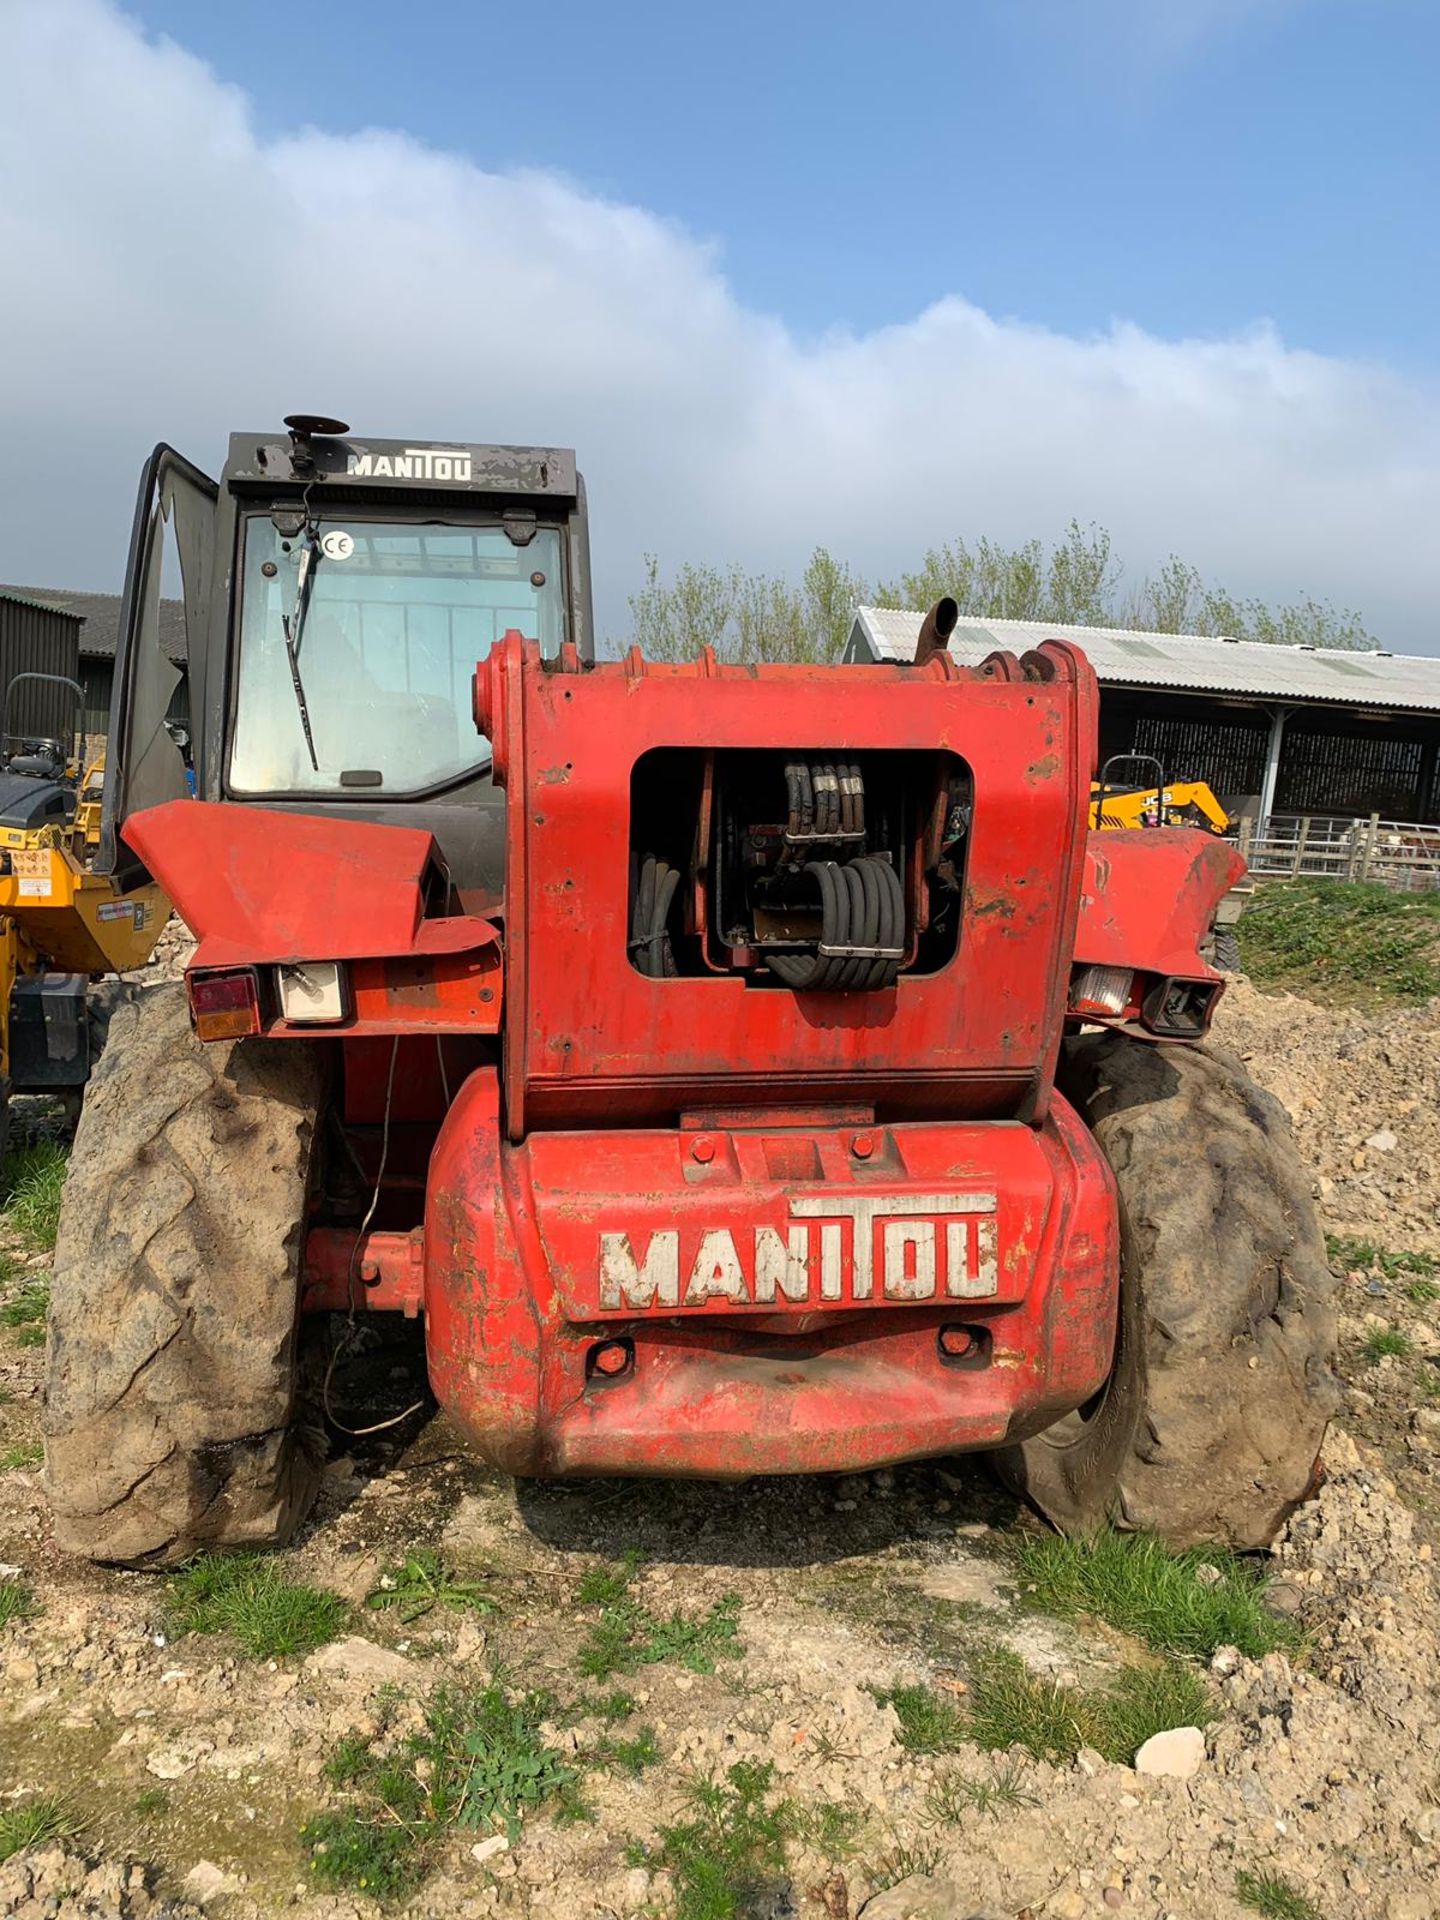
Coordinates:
<point>862,929</point>
<point>650,945</point>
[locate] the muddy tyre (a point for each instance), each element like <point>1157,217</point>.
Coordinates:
<point>171,1398</point>
<point>1210,1425</point>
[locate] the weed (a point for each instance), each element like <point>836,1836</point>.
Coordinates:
<point>902,1860</point>
<point>350,1760</point>
<point>1356,944</point>
<point>1421,1292</point>
<point>1179,1603</point>
<point>612,1707</point>
<point>36,1823</point>
<point>27,1453</point>
<point>366,1855</point>
<point>827,1827</point>
<point>30,1337</point>
<point>28,1307</point>
<point>1364,1256</point>
<point>928,1724</point>
<point>34,1180</point>
<point>628,1636</point>
<point>1268,1894</point>
<point>632,1756</point>
<point>247,1595</point>
<point>151,1803</point>
<point>730,1853</point>
<point>1383,1343</point>
<point>423,1582</point>
<point>951,1802</point>
<point>1010,1708</point>
<point>17,1602</point>
<point>604,1586</point>
<point>477,1760</point>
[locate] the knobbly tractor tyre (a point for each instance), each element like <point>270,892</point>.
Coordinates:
<point>1210,1425</point>
<point>171,1400</point>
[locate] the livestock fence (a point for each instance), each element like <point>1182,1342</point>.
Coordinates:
<point>1394,853</point>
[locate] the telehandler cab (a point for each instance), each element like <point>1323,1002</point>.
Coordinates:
<point>742,1069</point>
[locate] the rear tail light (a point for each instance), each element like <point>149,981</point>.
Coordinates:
<point>1101,992</point>
<point>225,1006</point>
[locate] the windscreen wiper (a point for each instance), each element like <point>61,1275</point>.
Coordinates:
<point>294,625</point>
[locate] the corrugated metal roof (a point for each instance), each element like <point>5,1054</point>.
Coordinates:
<point>1186,662</point>
<point>19,598</point>
<point>101,614</point>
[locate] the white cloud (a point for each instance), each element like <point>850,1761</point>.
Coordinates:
<point>169,273</point>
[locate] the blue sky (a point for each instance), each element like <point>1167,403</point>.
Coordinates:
<point>1192,165</point>
<point>784,276</point>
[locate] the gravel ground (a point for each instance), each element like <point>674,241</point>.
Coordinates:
<point>190,1768</point>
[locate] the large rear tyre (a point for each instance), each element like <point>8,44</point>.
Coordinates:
<point>171,1399</point>
<point>1210,1425</point>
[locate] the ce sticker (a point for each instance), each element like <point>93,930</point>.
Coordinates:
<point>337,545</point>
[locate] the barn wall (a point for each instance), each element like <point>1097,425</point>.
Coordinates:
<point>38,640</point>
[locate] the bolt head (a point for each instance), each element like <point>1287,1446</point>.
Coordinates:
<point>703,1149</point>
<point>863,1145</point>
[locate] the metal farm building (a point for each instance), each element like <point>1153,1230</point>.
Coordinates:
<point>36,638</point>
<point>1280,733</point>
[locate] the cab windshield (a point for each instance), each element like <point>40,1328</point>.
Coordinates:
<point>394,620</point>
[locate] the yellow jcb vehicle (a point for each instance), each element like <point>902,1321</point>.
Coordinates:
<point>1132,791</point>
<point>62,927</point>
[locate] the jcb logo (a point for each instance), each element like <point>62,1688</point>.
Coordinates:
<point>928,1246</point>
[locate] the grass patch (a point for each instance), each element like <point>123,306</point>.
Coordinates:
<point>150,1804</point>
<point>423,1582</point>
<point>729,1854</point>
<point>34,1181</point>
<point>17,1602</point>
<point>614,1707</point>
<point>629,1636</point>
<point>36,1823</point>
<point>1009,1707</point>
<point>28,1307</point>
<point>27,1453</point>
<point>1268,1894</point>
<point>478,1761</point>
<point>827,1827</point>
<point>631,1756</point>
<point>1352,944</point>
<point>1383,1343</point>
<point>1185,1604</point>
<point>951,1802</point>
<point>928,1724</point>
<point>247,1596</point>
<point>905,1859</point>
<point>1364,1256</point>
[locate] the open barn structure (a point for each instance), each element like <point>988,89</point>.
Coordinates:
<point>1278,732</point>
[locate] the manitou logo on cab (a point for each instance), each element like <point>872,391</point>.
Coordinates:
<point>415,463</point>
<point>900,1247</point>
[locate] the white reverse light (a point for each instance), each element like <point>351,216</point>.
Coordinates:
<point>1102,991</point>
<point>312,992</point>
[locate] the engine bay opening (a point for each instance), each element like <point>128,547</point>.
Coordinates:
<point>807,869</point>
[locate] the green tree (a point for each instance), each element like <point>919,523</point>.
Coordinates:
<point>756,617</point>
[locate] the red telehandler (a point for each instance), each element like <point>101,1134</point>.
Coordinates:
<point>742,1069</point>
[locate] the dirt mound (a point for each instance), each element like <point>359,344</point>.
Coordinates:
<point>1363,1091</point>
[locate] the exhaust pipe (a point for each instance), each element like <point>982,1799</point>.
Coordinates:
<point>936,629</point>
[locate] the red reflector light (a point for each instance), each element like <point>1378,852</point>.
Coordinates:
<point>225,1006</point>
